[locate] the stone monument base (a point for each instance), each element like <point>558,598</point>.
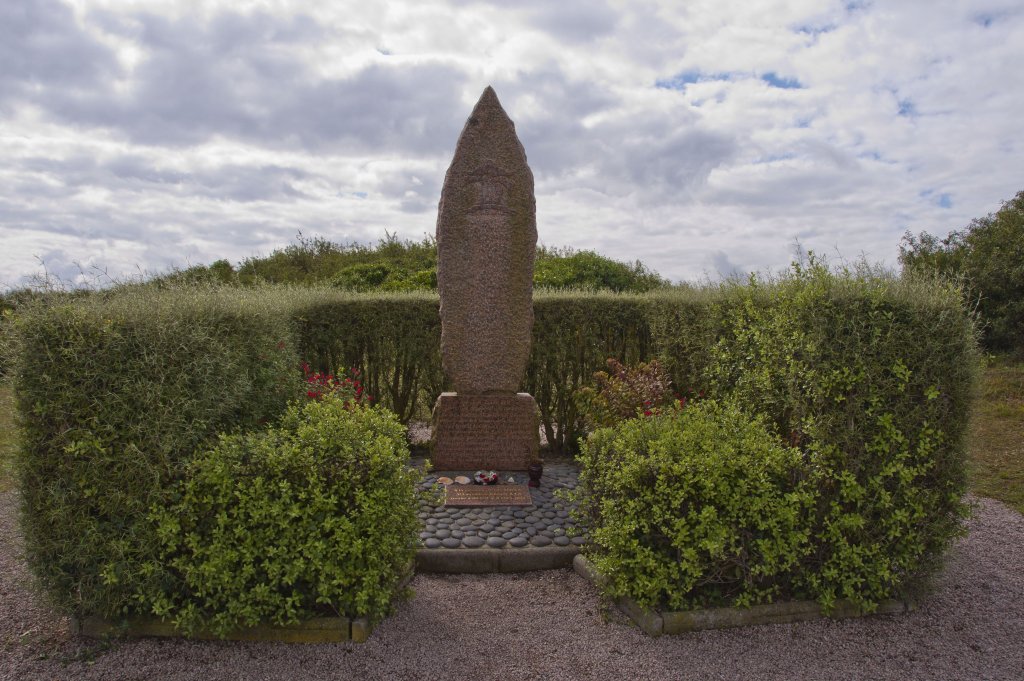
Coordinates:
<point>492,431</point>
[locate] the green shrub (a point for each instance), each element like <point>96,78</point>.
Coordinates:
<point>394,339</point>
<point>316,516</point>
<point>565,268</point>
<point>574,334</point>
<point>869,376</point>
<point>115,393</point>
<point>872,377</point>
<point>988,255</point>
<point>694,507</point>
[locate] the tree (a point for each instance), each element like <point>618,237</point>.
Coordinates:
<point>989,256</point>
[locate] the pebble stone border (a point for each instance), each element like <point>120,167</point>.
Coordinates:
<point>546,523</point>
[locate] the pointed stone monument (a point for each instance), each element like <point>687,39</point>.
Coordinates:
<point>486,243</point>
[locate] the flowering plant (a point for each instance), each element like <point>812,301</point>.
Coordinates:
<point>348,387</point>
<point>622,393</point>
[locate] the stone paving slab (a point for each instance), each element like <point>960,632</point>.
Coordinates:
<point>545,524</point>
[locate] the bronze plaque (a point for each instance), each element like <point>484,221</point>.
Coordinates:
<point>461,496</point>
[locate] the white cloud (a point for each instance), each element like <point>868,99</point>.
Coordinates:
<point>700,138</point>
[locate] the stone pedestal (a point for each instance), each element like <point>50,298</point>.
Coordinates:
<point>498,431</point>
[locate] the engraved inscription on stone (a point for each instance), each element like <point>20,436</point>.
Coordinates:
<point>480,495</point>
<point>493,185</point>
<point>496,431</point>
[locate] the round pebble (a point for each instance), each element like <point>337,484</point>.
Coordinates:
<point>543,523</point>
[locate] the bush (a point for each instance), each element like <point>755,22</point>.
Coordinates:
<point>870,377</point>
<point>694,507</point>
<point>867,375</point>
<point>624,393</point>
<point>314,517</point>
<point>573,335</point>
<point>115,393</point>
<point>989,256</point>
<point>393,339</point>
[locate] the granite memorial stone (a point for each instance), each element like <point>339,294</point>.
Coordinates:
<point>486,242</point>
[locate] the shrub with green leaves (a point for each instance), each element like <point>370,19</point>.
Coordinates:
<point>574,334</point>
<point>695,507</point>
<point>871,376</point>
<point>316,516</point>
<point>115,392</point>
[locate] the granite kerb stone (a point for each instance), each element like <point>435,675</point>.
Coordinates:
<point>655,622</point>
<point>494,560</point>
<point>316,630</point>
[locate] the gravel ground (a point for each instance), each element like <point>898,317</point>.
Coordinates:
<point>551,625</point>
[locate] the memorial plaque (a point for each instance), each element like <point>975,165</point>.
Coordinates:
<point>462,496</point>
<point>491,431</point>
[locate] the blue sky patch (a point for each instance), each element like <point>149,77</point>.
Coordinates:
<point>684,78</point>
<point>776,80</point>
<point>907,108</point>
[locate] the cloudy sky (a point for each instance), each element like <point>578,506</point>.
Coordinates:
<point>700,137</point>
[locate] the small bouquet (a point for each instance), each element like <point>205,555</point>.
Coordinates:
<point>485,478</point>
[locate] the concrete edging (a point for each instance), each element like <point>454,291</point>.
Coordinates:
<point>505,559</point>
<point>656,622</point>
<point>317,630</point>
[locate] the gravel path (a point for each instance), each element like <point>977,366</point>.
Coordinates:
<point>550,625</point>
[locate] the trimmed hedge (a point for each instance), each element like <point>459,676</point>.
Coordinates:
<point>869,377</point>
<point>114,396</point>
<point>393,338</point>
<point>314,517</point>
